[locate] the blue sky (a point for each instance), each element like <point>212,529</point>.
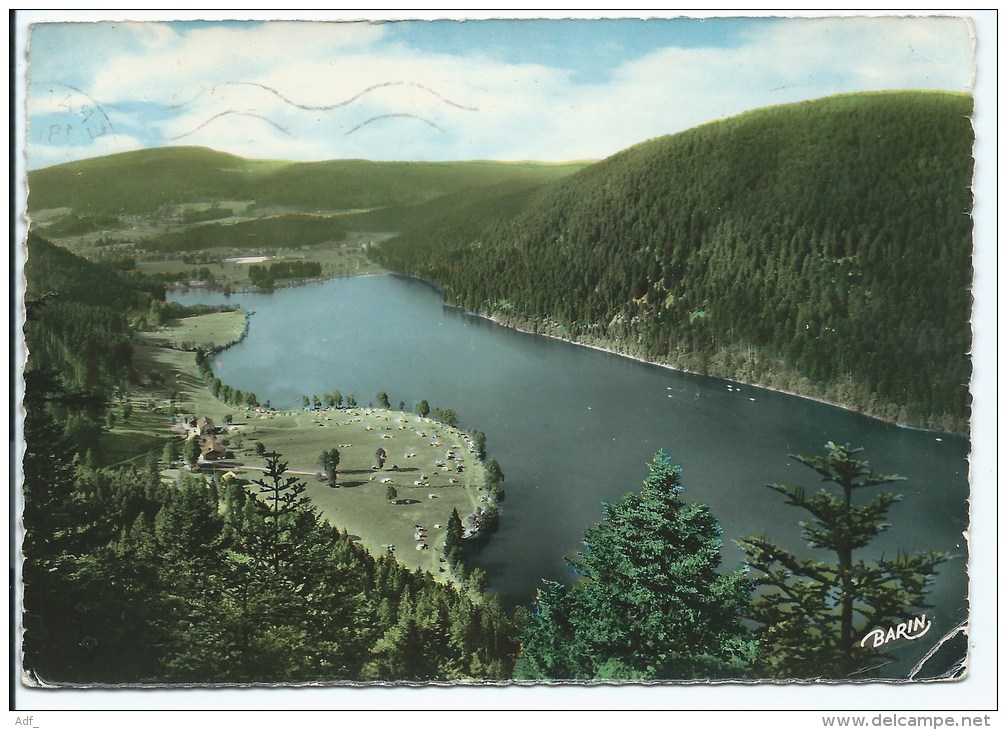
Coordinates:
<point>547,90</point>
<point>588,49</point>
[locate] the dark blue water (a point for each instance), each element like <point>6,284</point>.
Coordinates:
<point>573,427</point>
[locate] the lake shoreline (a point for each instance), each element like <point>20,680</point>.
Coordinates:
<point>293,283</point>
<point>739,381</point>
<point>611,350</point>
<point>495,319</point>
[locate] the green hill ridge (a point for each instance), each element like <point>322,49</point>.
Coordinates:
<point>140,182</point>
<point>822,247</point>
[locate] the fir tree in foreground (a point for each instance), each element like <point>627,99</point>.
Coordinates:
<point>650,603</point>
<point>813,613</point>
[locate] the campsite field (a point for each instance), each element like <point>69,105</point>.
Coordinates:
<point>429,484</point>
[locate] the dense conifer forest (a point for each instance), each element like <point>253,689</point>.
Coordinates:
<point>823,247</point>
<point>77,329</point>
<point>306,230</point>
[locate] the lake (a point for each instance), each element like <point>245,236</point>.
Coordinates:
<point>573,427</point>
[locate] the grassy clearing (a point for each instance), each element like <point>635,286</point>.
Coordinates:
<point>204,331</point>
<point>427,491</point>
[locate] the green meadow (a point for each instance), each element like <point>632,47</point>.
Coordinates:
<point>427,482</point>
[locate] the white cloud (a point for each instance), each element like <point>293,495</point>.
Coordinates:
<point>256,91</point>
<point>677,88</point>
<point>176,64</point>
<point>891,51</point>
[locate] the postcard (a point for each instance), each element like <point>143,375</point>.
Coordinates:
<point>500,352</point>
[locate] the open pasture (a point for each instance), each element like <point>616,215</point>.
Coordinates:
<point>433,467</point>
<point>427,482</point>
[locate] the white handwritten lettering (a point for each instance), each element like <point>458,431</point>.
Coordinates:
<point>910,629</point>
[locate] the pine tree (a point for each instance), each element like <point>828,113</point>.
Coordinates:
<point>54,516</point>
<point>277,501</point>
<point>651,602</point>
<point>188,528</point>
<point>453,538</point>
<point>495,480</point>
<point>811,612</point>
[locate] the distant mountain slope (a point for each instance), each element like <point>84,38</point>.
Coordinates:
<point>823,247</point>
<point>139,182</point>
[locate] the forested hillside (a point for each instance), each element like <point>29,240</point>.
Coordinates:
<point>822,247</point>
<point>131,578</point>
<point>139,182</point>
<point>304,229</point>
<point>77,333</point>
